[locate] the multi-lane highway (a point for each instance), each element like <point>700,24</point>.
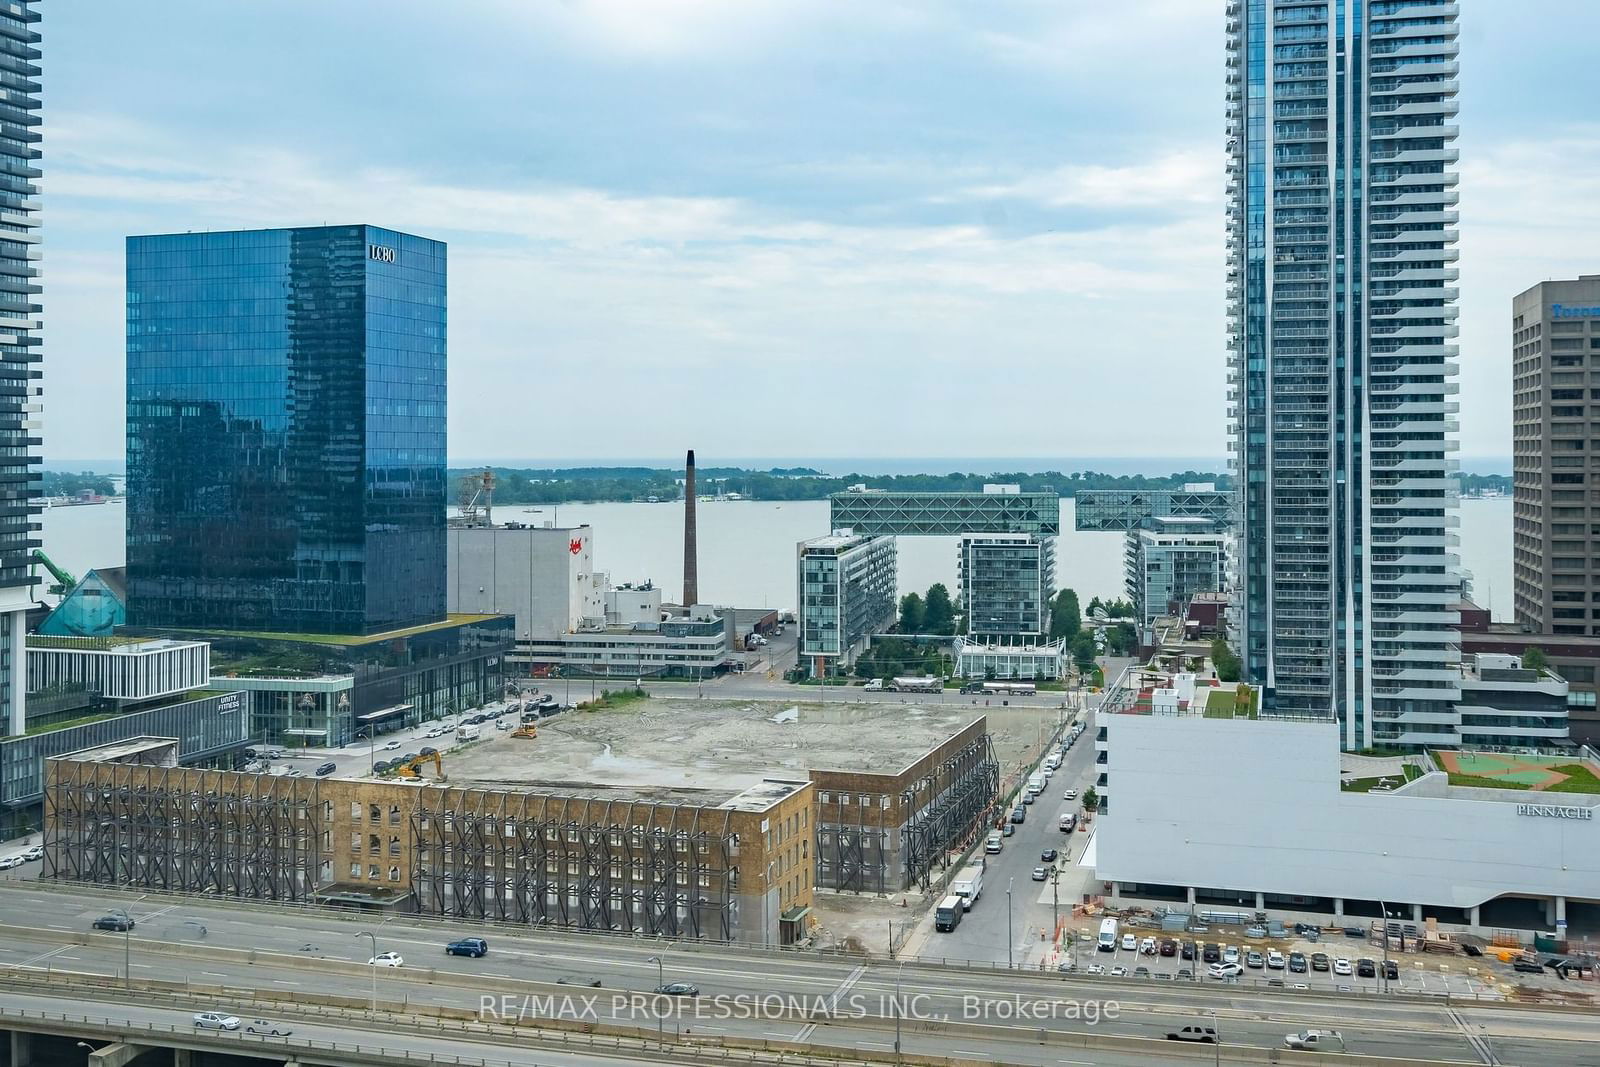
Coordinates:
<point>306,953</point>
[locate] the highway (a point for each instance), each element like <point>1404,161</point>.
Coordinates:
<point>306,953</point>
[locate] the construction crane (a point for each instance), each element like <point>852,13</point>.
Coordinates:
<point>63,581</point>
<point>412,768</point>
<point>477,499</point>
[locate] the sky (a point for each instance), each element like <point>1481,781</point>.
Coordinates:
<point>775,228</point>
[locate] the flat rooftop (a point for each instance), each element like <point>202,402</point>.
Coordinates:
<point>705,751</point>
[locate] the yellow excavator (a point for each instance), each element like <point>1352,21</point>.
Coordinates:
<point>527,729</point>
<point>412,768</point>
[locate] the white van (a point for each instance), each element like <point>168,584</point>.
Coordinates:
<point>1108,936</point>
<point>993,844</point>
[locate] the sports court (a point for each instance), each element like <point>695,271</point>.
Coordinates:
<point>1528,771</point>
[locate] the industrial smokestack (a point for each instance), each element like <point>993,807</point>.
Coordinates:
<point>691,566</point>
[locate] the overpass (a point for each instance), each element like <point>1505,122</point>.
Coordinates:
<point>306,967</point>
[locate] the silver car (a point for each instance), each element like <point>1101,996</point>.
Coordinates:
<point>215,1020</point>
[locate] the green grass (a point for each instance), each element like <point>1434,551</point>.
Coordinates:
<point>1581,778</point>
<point>1224,704</point>
<point>610,701</point>
<point>84,720</point>
<point>347,639</point>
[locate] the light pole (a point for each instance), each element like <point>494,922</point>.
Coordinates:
<point>1055,901</point>
<point>1009,961</point>
<point>372,965</point>
<point>897,1009</point>
<point>127,952</point>
<point>1384,981</point>
<point>661,984</point>
<point>1216,1032</point>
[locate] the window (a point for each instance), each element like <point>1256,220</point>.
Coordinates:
<point>373,873</point>
<point>394,874</point>
<point>355,871</point>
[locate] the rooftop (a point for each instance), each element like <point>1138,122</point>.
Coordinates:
<point>705,751</point>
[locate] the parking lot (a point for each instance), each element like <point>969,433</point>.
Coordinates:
<point>1414,973</point>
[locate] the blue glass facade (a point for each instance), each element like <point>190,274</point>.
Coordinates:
<point>286,430</point>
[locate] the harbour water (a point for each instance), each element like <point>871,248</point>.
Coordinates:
<point>747,547</point>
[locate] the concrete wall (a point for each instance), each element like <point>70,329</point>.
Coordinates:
<point>530,572</point>
<point>1256,805</point>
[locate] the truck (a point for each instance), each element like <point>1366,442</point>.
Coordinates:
<point>1069,822</point>
<point>467,733</point>
<point>993,843</point>
<point>916,685</point>
<point>1036,783</point>
<point>967,885</point>
<point>948,915</point>
<point>1314,1039</point>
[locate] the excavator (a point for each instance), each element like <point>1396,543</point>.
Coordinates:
<point>527,729</point>
<point>412,768</point>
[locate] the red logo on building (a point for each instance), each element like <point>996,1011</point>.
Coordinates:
<point>574,546</point>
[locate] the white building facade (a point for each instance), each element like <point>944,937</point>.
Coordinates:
<point>1251,811</point>
<point>544,576</point>
<point>1342,376</point>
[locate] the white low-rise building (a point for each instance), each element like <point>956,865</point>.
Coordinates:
<point>976,659</point>
<point>1251,812</point>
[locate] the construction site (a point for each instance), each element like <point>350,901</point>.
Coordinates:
<point>683,818</point>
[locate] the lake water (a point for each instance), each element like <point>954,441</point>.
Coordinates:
<point>747,547</point>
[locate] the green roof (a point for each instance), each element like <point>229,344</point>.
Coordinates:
<point>348,639</point>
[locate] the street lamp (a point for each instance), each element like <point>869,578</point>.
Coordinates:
<point>1055,901</point>
<point>897,1009</point>
<point>1216,1032</point>
<point>1384,981</point>
<point>372,965</point>
<point>661,984</point>
<point>1009,884</point>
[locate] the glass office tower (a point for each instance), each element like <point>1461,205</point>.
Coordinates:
<point>1342,372</point>
<point>19,341</point>
<point>286,430</point>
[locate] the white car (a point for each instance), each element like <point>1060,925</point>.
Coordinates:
<point>261,1026</point>
<point>215,1020</point>
<point>1130,943</point>
<point>1341,966</point>
<point>391,746</point>
<point>1275,960</point>
<point>1230,953</point>
<point>1147,947</point>
<point>1224,970</point>
<point>1071,794</point>
<point>8,862</point>
<point>386,959</point>
<point>34,853</point>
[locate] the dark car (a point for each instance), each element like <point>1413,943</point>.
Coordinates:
<point>326,769</point>
<point>1018,814</point>
<point>1297,962</point>
<point>1048,855</point>
<point>1008,829</point>
<point>1141,972</point>
<point>1185,974</point>
<point>1187,951</point>
<point>678,989</point>
<point>1319,961</point>
<point>1211,953</point>
<point>468,946</point>
<point>1168,947</point>
<point>119,923</point>
<point>1366,968</point>
<point>1391,970</point>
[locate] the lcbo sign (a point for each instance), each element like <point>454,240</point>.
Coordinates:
<point>1551,811</point>
<point>381,253</point>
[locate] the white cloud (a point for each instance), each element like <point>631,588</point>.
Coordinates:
<point>1184,179</point>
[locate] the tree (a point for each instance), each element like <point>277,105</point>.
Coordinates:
<point>1226,663</point>
<point>1065,618</point>
<point>938,617</point>
<point>1121,639</point>
<point>912,615</point>
<point>1091,800</point>
<point>1534,659</point>
<point>1083,650</point>
<point>1093,604</point>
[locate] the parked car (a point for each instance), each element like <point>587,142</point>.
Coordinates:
<point>1167,947</point>
<point>326,769</point>
<point>1130,943</point>
<point>1211,953</point>
<point>1297,962</point>
<point>1341,966</point>
<point>468,946</point>
<point>1147,947</point>
<point>261,1026</point>
<point>1095,968</point>
<point>119,923</point>
<point>1039,874</point>
<point>1254,960</point>
<point>34,853</point>
<point>1391,970</point>
<point>1319,961</point>
<point>1018,814</point>
<point>386,959</point>
<point>1008,829</point>
<point>9,862</point>
<point>1119,972</point>
<point>1141,972</point>
<point>1366,968</point>
<point>1224,970</point>
<point>1188,950</point>
<point>1028,797</point>
<point>1186,974</point>
<point>216,1020</point>
<point>1048,855</point>
<point>1275,960</point>
<point>1230,953</point>
<point>678,989</point>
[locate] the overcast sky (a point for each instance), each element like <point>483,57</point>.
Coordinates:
<point>765,227</point>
